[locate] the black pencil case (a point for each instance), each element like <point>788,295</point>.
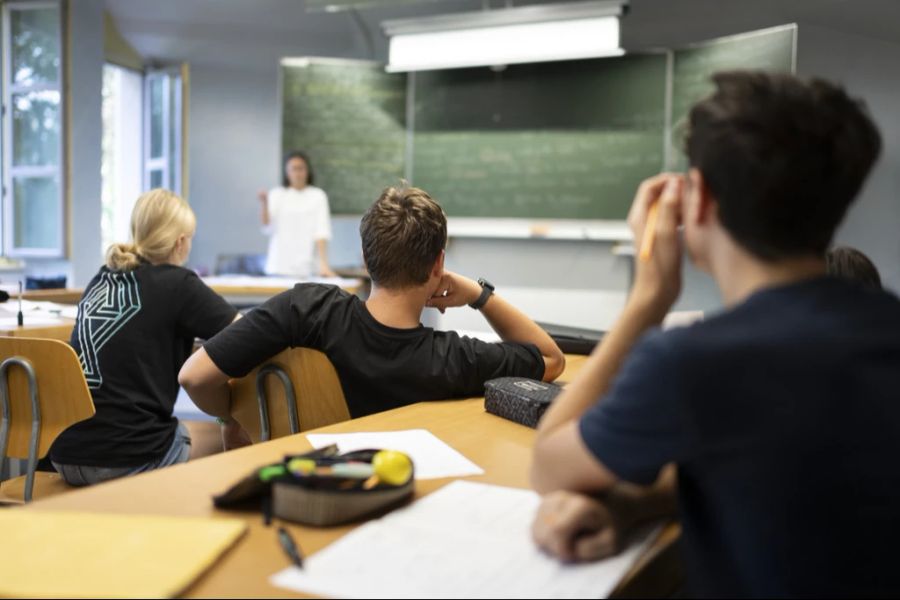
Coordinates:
<point>519,399</point>
<point>314,500</point>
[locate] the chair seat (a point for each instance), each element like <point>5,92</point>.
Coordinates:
<point>45,485</point>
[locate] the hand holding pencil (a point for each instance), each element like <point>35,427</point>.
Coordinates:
<point>654,220</point>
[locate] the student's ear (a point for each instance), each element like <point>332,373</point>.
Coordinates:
<point>701,205</point>
<point>437,270</point>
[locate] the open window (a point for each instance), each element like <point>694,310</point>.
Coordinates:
<point>32,125</point>
<point>163,128</point>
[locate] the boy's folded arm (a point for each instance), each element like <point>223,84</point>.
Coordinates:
<point>206,384</point>
<point>512,325</point>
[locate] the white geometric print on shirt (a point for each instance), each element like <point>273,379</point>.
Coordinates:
<point>111,303</point>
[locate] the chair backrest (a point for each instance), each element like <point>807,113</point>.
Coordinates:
<point>62,392</point>
<point>318,396</point>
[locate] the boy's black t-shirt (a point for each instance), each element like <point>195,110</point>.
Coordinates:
<point>134,331</point>
<point>379,367</point>
<point>783,415</point>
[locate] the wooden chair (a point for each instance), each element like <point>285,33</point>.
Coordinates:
<point>659,573</point>
<point>42,393</point>
<point>294,391</point>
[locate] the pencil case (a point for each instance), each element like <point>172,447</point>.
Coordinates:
<point>519,399</point>
<point>323,487</point>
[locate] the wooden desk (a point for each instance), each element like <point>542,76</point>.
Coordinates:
<point>62,296</point>
<point>62,332</point>
<point>61,329</point>
<point>500,447</point>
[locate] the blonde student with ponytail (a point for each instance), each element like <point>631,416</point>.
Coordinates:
<point>136,325</point>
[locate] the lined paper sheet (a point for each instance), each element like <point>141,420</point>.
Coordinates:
<point>432,457</point>
<point>467,540</point>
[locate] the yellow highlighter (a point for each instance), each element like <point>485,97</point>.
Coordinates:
<point>649,232</point>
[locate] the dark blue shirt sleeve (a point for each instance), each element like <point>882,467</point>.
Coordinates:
<point>639,426</point>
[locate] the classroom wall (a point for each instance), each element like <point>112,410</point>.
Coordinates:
<point>86,127</point>
<point>868,68</point>
<point>233,153</point>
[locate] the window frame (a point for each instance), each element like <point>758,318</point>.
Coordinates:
<point>171,123</point>
<point>10,172</point>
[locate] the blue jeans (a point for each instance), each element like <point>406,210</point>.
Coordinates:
<point>81,475</point>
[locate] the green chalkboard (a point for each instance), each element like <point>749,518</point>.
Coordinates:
<point>767,49</point>
<point>549,140</point>
<point>350,117</point>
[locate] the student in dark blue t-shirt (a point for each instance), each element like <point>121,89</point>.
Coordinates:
<point>781,413</point>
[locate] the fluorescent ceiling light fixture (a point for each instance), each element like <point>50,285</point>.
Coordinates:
<point>505,36</point>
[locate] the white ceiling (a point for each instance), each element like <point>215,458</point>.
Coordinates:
<point>253,34</point>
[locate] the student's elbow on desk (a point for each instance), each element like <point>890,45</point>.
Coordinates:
<point>554,365</point>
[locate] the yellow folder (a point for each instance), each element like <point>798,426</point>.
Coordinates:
<point>73,554</point>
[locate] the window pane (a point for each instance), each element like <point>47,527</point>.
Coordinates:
<point>156,179</point>
<point>36,212</point>
<point>36,128</point>
<point>156,117</point>
<point>174,130</point>
<point>35,45</point>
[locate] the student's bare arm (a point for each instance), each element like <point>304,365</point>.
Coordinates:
<point>206,384</point>
<point>657,284</point>
<point>263,207</point>
<point>322,250</point>
<point>511,324</point>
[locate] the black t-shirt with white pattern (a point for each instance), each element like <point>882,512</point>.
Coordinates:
<point>134,331</point>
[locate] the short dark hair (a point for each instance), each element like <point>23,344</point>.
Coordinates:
<point>402,233</point>
<point>783,157</point>
<point>288,157</point>
<point>851,264</point>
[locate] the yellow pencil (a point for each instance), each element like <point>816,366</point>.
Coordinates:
<point>649,232</point>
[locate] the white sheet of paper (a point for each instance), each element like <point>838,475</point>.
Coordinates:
<point>36,306</point>
<point>467,540</point>
<point>432,457</point>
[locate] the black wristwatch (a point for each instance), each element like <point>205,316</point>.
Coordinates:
<point>487,288</point>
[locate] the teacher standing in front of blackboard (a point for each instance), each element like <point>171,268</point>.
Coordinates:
<point>297,219</point>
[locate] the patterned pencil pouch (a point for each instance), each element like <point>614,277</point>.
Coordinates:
<point>519,399</point>
<point>325,488</point>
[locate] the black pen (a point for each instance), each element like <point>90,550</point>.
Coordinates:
<point>290,547</point>
<point>19,318</point>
